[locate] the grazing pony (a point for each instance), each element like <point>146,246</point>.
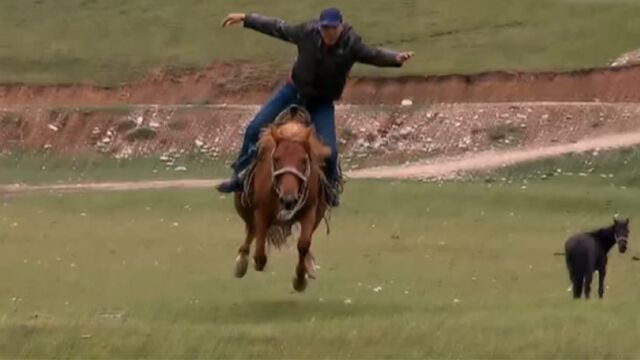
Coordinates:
<point>285,185</point>
<point>587,252</point>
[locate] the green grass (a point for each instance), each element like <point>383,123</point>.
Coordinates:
<point>149,274</point>
<point>34,168</point>
<point>119,40</point>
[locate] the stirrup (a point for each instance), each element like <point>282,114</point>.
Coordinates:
<point>332,195</point>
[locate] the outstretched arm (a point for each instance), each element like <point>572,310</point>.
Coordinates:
<point>267,25</point>
<point>379,57</point>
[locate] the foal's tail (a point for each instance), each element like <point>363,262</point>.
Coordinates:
<point>577,270</point>
<point>570,268</point>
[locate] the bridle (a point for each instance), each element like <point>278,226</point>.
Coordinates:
<point>286,215</point>
<point>620,238</point>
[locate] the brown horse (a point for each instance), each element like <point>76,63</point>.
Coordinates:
<point>284,186</point>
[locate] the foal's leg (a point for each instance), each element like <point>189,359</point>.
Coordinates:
<point>577,286</point>
<point>571,269</point>
<point>601,274</point>
<point>304,243</point>
<point>242,261</point>
<point>588,278</point>
<point>260,255</point>
<point>578,276</point>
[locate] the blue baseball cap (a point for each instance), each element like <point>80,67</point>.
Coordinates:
<point>331,17</point>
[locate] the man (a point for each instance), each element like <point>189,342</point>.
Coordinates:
<point>327,49</point>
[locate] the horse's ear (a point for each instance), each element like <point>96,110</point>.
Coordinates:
<point>305,140</point>
<point>308,134</point>
<point>626,221</point>
<point>317,148</point>
<point>267,140</point>
<point>274,134</point>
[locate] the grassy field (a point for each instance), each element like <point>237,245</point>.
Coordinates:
<point>109,42</point>
<point>459,270</point>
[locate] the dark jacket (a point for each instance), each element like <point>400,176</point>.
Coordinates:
<point>320,73</point>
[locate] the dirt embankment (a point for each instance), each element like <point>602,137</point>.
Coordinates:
<point>368,135</point>
<point>242,83</point>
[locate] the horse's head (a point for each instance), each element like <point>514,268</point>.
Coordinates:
<point>621,233</point>
<point>291,170</point>
<point>294,151</point>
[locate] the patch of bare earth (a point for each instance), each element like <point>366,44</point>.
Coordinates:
<point>368,135</point>
<point>627,59</point>
<point>249,83</point>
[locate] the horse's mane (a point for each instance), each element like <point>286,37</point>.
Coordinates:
<point>602,233</point>
<point>605,232</point>
<point>605,236</point>
<point>295,131</point>
<point>600,230</point>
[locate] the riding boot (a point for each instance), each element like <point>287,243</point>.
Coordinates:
<point>236,182</point>
<point>232,185</point>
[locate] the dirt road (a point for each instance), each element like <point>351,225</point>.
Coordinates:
<point>443,168</point>
<point>109,186</point>
<point>492,159</point>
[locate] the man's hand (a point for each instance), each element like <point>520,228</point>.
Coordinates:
<point>232,19</point>
<point>402,57</point>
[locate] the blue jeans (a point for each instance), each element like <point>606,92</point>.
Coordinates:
<point>322,118</point>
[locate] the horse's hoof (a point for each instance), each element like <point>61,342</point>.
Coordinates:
<point>310,266</point>
<point>242,264</point>
<point>259,263</point>
<point>299,284</point>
